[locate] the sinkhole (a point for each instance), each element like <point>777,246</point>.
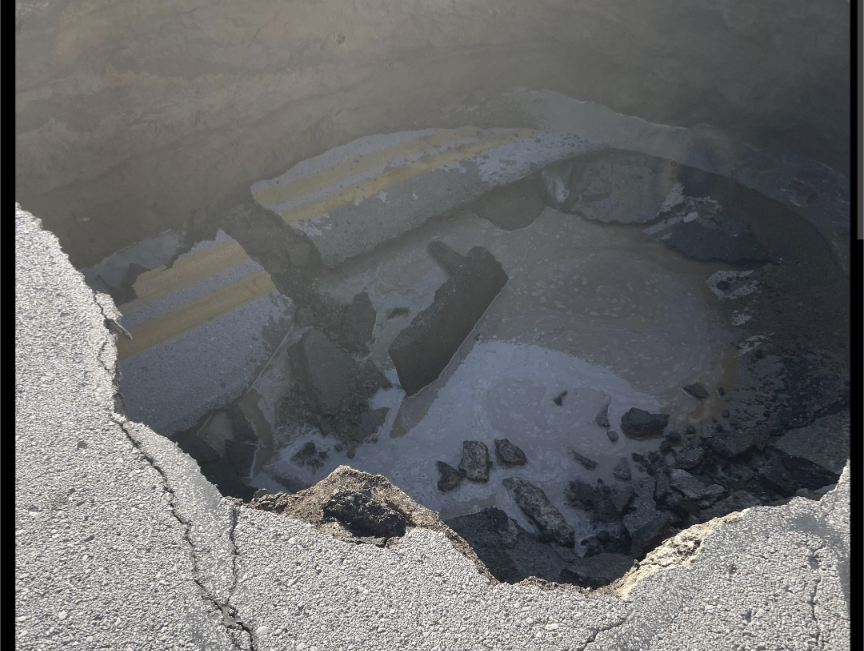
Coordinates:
<point>566,329</point>
<point>569,351</point>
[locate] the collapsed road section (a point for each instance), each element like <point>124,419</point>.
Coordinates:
<point>121,543</point>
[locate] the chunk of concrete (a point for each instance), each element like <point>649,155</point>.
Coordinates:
<point>588,464</point>
<point>688,485</point>
<point>816,454</point>
<point>622,469</point>
<point>450,477</point>
<point>475,461</point>
<point>422,350</point>
<point>509,453</point>
<point>548,520</point>
<point>641,424</point>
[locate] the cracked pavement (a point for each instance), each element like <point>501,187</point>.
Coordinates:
<point>122,544</point>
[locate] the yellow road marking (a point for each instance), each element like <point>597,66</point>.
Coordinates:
<point>322,179</point>
<point>190,315</point>
<point>396,175</point>
<point>155,283</point>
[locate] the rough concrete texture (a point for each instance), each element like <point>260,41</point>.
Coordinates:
<point>120,543</point>
<point>213,307</point>
<point>164,112</point>
<point>422,350</point>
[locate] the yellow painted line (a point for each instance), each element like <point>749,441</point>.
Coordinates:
<point>396,175</point>
<point>155,283</point>
<point>318,180</point>
<point>186,317</point>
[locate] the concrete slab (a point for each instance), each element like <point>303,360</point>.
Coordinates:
<point>201,331</point>
<point>352,198</point>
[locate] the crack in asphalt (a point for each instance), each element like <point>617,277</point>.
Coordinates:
<point>814,558</point>
<point>597,631</point>
<point>229,620</point>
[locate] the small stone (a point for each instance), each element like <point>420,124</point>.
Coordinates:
<point>689,457</point>
<point>450,477</point>
<point>475,460</point>
<point>688,485</point>
<point>725,413</point>
<point>697,390</point>
<point>673,437</point>
<point>602,417</point>
<point>622,470</point>
<point>62,615</point>
<point>589,464</point>
<point>639,423</point>
<point>509,453</point>
<point>721,391</point>
<point>262,630</point>
<point>559,399</point>
<point>665,446</point>
<point>612,434</point>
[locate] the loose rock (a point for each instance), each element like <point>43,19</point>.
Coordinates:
<point>559,399</point>
<point>509,453</point>
<point>612,434</point>
<point>639,423</point>
<point>697,390</point>
<point>602,417</point>
<point>475,460</point>
<point>533,502</point>
<point>450,477</point>
<point>689,457</point>
<point>622,470</point>
<point>366,516</point>
<point>687,484</point>
<point>589,464</point>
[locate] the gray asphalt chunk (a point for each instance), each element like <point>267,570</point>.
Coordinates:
<point>96,534</point>
<point>120,543</point>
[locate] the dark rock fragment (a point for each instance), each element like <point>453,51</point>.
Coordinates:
<point>697,390</point>
<point>450,477</point>
<point>364,515</point>
<point>587,463</point>
<point>689,457</point>
<point>612,434</point>
<point>639,423</point>
<point>559,399</point>
<point>688,485</point>
<point>475,460</point>
<point>533,502</point>
<point>509,453</point>
<point>602,417</point>
<point>622,470</point>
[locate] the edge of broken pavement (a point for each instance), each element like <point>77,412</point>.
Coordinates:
<point>121,543</point>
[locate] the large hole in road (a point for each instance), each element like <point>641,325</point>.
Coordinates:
<point>565,333</point>
<point>569,367</point>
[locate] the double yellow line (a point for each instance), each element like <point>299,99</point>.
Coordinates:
<point>186,271</point>
<point>386,179</point>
